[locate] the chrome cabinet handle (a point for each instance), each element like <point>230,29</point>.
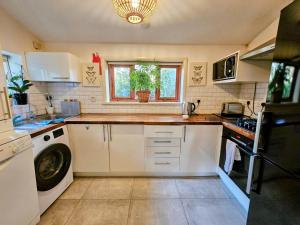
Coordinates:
<point>162,163</point>
<point>104,138</point>
<point>110,136</point>
<point>164,132</point>
<point>162,141</point>
<point>61,78</point>
<point>161,153</point>
<point>184,133</point>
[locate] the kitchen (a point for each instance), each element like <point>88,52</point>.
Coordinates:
<point>113,144</point>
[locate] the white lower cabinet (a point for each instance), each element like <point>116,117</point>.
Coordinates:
<point>89,144</point>
<point>200,149</point>
<point>162,164</point>
<point>162,147</point>
<point>126,147</point>
<point>117,148</point>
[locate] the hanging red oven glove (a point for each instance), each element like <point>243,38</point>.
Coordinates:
<point>97,59</point>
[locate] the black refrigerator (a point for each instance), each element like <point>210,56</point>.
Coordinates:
<point>275,195</point>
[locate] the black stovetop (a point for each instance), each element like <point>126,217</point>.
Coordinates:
<point>244,122</point>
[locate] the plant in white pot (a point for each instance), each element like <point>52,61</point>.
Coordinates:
<point>144,78</point>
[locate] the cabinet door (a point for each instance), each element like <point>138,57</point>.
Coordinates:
<point>126,146</point>
<point>48,66</point>
<point>58,66</point>
<point>89,145</point>
<point>36,66</point>
<point>200,148</point>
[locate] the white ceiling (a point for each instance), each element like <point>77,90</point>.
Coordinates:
<point>173,22</point>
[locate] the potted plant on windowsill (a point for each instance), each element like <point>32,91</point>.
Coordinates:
<point>144,78</point>
<point>19,85</point>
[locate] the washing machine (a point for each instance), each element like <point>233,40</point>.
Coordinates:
<point>53,165</point>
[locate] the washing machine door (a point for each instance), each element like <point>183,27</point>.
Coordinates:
<point>52,165</point>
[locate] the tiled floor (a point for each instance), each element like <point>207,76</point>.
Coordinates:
<point>143,201</point>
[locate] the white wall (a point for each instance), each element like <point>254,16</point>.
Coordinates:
<point>93,99</point>
<point>247,90</point>
<point>16,39</point>
<point>270,32</point>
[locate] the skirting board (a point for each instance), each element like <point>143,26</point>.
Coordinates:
<point>35,220</point>
<point>235,190</point>
<point>143,174</point>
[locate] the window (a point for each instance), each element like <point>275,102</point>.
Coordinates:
<point>169,90</point>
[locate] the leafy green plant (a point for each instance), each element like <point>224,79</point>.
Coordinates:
<point>19,84</point>
<point>146,76</point>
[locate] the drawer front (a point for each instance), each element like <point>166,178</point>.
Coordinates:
<point>162,142</point>
<point>162,165</point>
<point>160,152</point>
<point>163,131</point>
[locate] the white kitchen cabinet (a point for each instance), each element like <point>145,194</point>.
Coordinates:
<point>53,66</point>
<point>200,149</point>
<point>89,143</point>
<point>126,147</point>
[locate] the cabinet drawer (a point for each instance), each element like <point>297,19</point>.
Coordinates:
<point>162,164</point>
<point>163,131</point>
<point>162,142</point>
<point>160,152</point>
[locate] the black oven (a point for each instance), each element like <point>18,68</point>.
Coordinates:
<point>242,169</point>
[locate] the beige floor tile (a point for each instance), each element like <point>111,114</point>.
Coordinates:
<point>77,188</point>
<point>100,212</point>
<point>157,212</point>
<point>109,188</point>
<point>213,212</point>
<point>154,188</point>
<point>202,188</point>
<point>59,212</point>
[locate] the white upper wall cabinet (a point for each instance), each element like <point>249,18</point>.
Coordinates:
<point>53,67</point>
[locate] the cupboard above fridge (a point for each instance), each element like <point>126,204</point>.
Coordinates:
<point>53,67</point>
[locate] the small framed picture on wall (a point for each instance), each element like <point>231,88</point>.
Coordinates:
<point>197,74</point>
<point>90,75</point>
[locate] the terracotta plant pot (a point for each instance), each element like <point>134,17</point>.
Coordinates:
<point>20,98</point>
<point>143,96</point>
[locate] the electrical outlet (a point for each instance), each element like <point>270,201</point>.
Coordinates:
<point>198,101</point>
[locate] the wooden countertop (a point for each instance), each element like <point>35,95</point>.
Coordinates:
<point>146,119</point>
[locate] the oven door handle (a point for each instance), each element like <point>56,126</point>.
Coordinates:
<point>245,151</point>
<point>238,142</point>
<point>234,140</point>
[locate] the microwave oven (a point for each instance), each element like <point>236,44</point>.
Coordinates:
<point>225,69</point>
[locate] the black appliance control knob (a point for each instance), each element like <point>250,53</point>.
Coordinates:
<point>46,138</point>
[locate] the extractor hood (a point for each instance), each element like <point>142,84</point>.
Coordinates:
<point>262,52</point>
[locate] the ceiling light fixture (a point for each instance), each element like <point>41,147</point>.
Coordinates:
<point>135,11</point>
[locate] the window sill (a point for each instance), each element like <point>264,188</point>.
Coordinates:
<point>148,103</point>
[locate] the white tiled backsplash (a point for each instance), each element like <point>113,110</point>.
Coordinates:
<point>247,92</point>
<point>92,99</point>
<point>36,97</point>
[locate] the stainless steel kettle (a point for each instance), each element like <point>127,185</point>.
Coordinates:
<point>189,108</point>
